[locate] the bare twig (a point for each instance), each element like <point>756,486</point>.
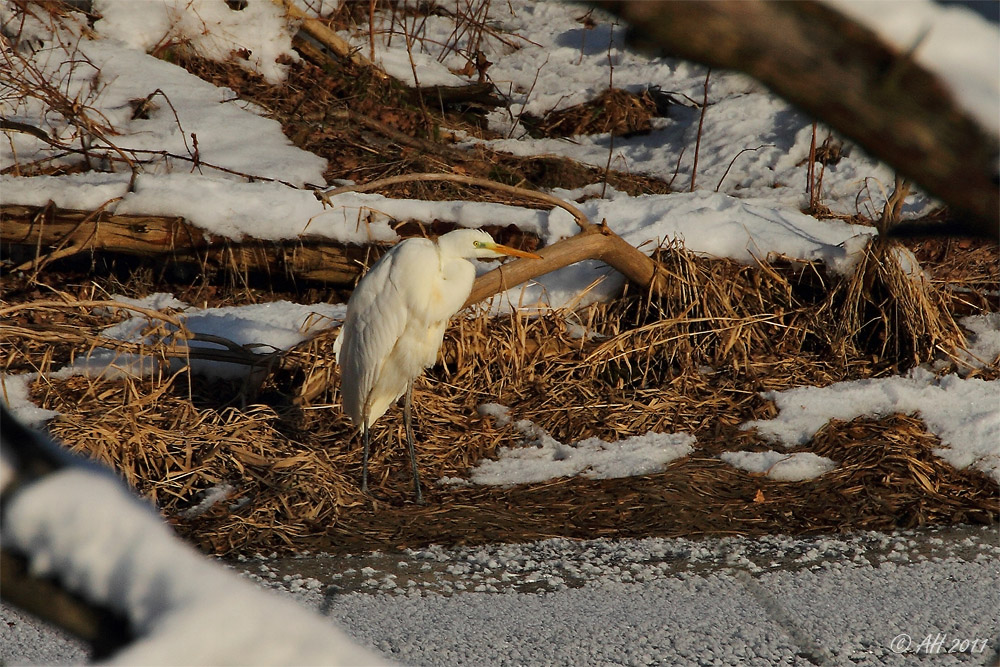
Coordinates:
<point>733,161</point>
<point>811,171</point>
<point>581,219</point>
<point>894,205</point>
<point>701,124</point>
<point>611,87</point>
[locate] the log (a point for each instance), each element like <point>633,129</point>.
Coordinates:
<point>32,455</point>
<point>153,235</point>
<point>323,34</point>
<point>70,232</point>
<point>842,74</point>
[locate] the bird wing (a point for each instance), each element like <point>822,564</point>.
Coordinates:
<point>377,317</point>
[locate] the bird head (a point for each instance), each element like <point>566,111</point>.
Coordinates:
<point>469,243</point>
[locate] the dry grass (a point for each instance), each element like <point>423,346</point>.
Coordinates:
<point>889,310</point>
<point>694,360</point>
<point>614,111</point>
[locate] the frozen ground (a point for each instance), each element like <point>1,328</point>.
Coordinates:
<point>914,597</point>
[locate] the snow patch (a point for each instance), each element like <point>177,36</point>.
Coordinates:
<point>781,466</point>
<point>963,412</point>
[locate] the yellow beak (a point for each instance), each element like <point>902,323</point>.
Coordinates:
<point>513,252</point>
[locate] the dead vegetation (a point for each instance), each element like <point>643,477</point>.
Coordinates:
<point>615,111</point>
<point>692,358</point>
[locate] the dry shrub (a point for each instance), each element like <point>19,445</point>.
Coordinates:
<point>889,310</point>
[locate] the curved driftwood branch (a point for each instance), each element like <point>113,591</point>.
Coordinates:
<point>842,74</point>
<point>595,242</point>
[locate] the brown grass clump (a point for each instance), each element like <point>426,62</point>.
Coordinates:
<point>890,477</point>
<point>715,312</point>
<point>614,111</point>
<point>173,451</point>
<point>888,309</point>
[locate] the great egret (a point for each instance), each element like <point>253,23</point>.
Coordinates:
<point>395,324</point>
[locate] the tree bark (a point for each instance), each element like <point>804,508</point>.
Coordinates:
<point>69,232</point>
<point>842,74</point>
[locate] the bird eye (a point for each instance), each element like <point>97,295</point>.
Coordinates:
<point>477,244</point>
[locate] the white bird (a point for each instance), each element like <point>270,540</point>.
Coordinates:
<point>395,325</point>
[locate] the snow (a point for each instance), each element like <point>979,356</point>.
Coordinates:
<point>16,394</point>
<point>105,77</point>
<point>262,328</point>
<point>781,466</point>
<point>107,545</point>
<point>543,457</point>
<point>963,412</point>
<point>741,221</point>
<point>984,345</point>
<point>212,29</point>
<point>862,599</point>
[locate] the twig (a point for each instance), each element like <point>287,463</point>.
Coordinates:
<point>93,152</point>
<point>611,87</point>
<point>92,303</point>
<point>701,123</point>
<point>581,219</point>
<point>371,29</point>
<point>74,246</point>
<point>527,96</point>
<point>811,170</point>
<point>893,205</point>
<point>733,161</point>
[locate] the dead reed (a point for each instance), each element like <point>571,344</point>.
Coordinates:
<point>285,461</point>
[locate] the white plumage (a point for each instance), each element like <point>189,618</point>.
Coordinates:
<point>396,320</point>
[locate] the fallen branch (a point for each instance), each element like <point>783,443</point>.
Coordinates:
<point>535,195</point>
<point>593,242</point>
<point>322,33</point>
<point>71,232</point>
<point>842,74</point>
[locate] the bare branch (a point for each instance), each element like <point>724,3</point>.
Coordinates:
<point>543,197</point>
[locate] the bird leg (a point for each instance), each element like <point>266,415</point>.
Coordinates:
<point>364,456</point>
<point>408,422</point>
